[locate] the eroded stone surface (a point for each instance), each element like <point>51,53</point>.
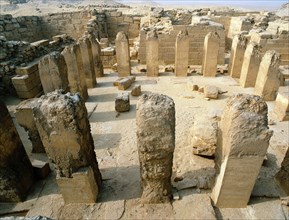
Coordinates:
<point>156,142</point>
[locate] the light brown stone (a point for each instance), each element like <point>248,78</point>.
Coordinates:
<point>210,57</point>
<point>281,109</point>
<point>152,53</point>
<point>241,147</point>
<point>96,52</point>
<point>155,119</point>
<point>182,53</point>
<point>122,54</point>
<point>269,76</point>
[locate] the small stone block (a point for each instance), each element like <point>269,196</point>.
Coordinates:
<point>41,169</point>
<point>136,90</point>
<point>116,82</point>
<point>211,92</point>
<point>27,70</point>
<point>122,103</point>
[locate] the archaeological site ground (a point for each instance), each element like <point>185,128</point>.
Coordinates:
<point>114,110</point>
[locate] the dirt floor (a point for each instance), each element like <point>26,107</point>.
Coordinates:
<point>116,149</point>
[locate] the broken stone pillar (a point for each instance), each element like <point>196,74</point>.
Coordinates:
<point>122,103</point>
<point>87,62</point>
<point>237,55</point>
<point>281,109</point>
<point>25,118</point>
<point>282,176</point>
<point>96,52</point>
<point>242,144</point>
<point>75,73</point>
<point>16,172</point>
<point>53,72</point>
<point>122,54</point>
<point>250,66</point>
<point>152,53</point>
<point>269,76</point>
<point>182,53</point>
<point>210,57</point>
<point>155,120</point>
<point>61,120</point>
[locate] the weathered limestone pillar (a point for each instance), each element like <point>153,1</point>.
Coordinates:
<point>61,120</point>
<point>75,73</point>
<point>96,52</point>
<point>16,172</point>
<point>25,118</point>
<point>237,55</point>
<point>122,54</point>
<point>182,53</point>
<point>281,109</point>
<point>250,66</point>
<point>53,72</point>
<point>87,62</point>
<point>211,51</point>
<point>282,176</point>
<point>152,53</point>
<point>269,77</point>
<point>155,119</point>
<point>242,144</point>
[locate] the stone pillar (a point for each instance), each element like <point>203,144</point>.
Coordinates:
<point>269,76</point>
<point>61,120</point>
<point>250,66</point>
<point>53,72</point>
<point>122,54</point>
<point>282,176</point>
<point>242,144</point>
<point>182,53</point>
<point>237,55</point>
<point>96,52</point>
<point>155,120</point>
<point>16,172</point>
<point>210,57</point>
<point>25,118</point>
<point>75,73</point>
<point>87,62</point>
<point>281,109</point>
<point>152,53</point>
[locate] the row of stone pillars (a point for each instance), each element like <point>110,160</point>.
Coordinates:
<point>74,69</point>
<point>253,70</point>
<point>61,121</point>
<point>182,44</point>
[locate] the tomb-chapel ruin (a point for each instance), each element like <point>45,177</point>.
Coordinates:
<point>144,110</point>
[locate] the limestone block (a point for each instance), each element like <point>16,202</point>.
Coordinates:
<point>281,109</point>
<point>122,103</point>
<point>41,168</point>
<point>242,144</point>
<point>125,83</point>
<point>282,176</point>
<point>116,82</point>
<point>250,66</point>
<point>16,172</point>
<point>210,56</point>
<point>87,62</point>
<point>269,76</point>
<point>182,53</point>
<point>75,73</point>
<point>53,72</point>
<point>155,120</point>
<point>25,118</point>
<point>203,135</point>
<point>136,90</point>
<point>40,43</point>
<point>27,70</point>
<point>211,92</point>
<point>152,53</point>
<point>237,55</point>
<point>61,120</point>
<point>96,52</point>
<point>122,54</point>
<point>80,188</point>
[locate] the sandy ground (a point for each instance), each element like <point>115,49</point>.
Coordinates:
<point>116,149</point>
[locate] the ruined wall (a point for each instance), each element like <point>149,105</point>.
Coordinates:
<point>71,23</point>
<point>24,28</point>
<point>197,35</point>
<point>278,42</point>
<point>277,26</point>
